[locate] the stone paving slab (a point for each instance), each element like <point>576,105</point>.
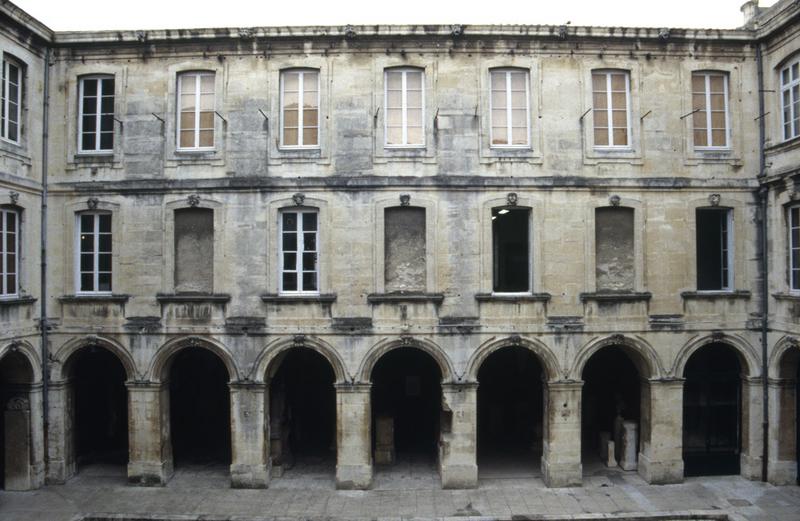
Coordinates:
<point>203,493</point>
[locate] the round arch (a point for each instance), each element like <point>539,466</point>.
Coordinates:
<point>275,349</point>
<point>540,350</point>
<point>64,354</point>
<point>161,361</point>
<point>747,355</point>
<point>384,346</point>
<point>779,351</point>
<point>642,354</point>
<point>30,354</point>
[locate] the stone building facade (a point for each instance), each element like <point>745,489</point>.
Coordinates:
<point>370,243</point>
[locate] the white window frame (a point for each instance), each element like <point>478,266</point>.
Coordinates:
<point>95,254</point>
<point>726,237</point>
<point>5,291</point>
<point>507,72</point>
<point>7,60</point>
<point>794,271</point>
<point>707,75</point>
<point>788,88</point>
<point>403,107</point>
<point>197,96</point>
<point>610,109</point>
<point>301,74</point>
<point>298,268</point>
<point>98,115</point>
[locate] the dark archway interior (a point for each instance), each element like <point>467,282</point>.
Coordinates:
<point>712,412</point>
<point>199,408</point>
<point>510,405</point>
<point>303,408</point>
<point>16,375</point>
<point>101,407</point>
<point>611,390</point>
<point>406,386</point>
<point>797,421</point>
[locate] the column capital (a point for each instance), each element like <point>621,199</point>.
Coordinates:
<point>459,386</point>
<point>564,385</point>
<point>667,381</point>
<point>247,385</point>
<point>355,387</point>
<point>143,385</point>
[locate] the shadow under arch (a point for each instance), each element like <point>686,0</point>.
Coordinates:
<point>160,365</point>
<point>641,354</point>
<point>544,355</point>
<point>270,357</point>
<point>64,356</point>
<point>377,351</point>
<point>748,357</point>
<point>26,350</point>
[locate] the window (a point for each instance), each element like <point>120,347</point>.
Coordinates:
<point>11,96</point>
<point>790,98</point>
<point>404,249</point>
<point>196,110</point>
<point>96,115</point>
<point>611,108</point>
<point>405,98</point>
<point>194,250</point>
<point>94,253</point>
<point>300,109</point>
<point>714,249</point>
<point>794,247</point>
<point>299,251</point>
<point>9,252</point>
<point>510,237</point>
<point>614,249</point>
<point>710,103</point>
<point>508,103</point>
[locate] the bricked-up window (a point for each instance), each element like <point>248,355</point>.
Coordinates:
<point>790,100</point>
<point>94,253</point>
<point>509,108</point>
<point>710,101</point>
<point>194,250</point>
<point>300,108</point>
<point>611,108</point>
<point>196,110</point>
<point>96,114</point>
<point>714,249</point>
<point>11,100</point>
<point>9,252</point>
<point>614,249</point>
<point>405,96</point>
<point>794,247</point>
<point>404,249</point>
<point>511,250</point>
<point>299,253</point>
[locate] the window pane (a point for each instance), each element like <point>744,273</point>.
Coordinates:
<point>290,81</point>
<point>700,138</point>
<point>309,261</point>
<point>601,137</point>
<point>207,83</point>
<point>599,82</point>
<point>394,80</point>
<point>87,282</point>
<point>290,118</point>
<point>309,241</point>
<point>206,138</point>
<point>415,136</point>
<point>519,135</point>
<point>107,105</point>
<point>187,120</point>
<point>717,102</point>
<point>718,120</point>
<point>310,281</point>
<point>394,99</point>
<point>289,221</point>
<point>498,80</point>
<point>519,100</point>
<point>289,242</point>
<point>89,123</point>
<point>187,138</point>
<point>414,80</point>
<point>717,83</point>
<point>107,123</point>
<point>206,102</point>
<point>104,242</point>
<point>188,101</point>
<point>600,118</point>
<point>11,221</point>
<point>699,120</point>
<point>310,136</point>
<point>104,262</point>
<point>107,141</point>
<point>108,87</point>
<point>87,141</point>
<point>518,81</point>
<point>290,136</point>
<point>620,136</point>
<point>394,136</point>
<point>87,262</point>
<point>11,284</point>
<point>394,117</point>
<point>698,102</point>
<point>618,82</point>
<point>600,100</point>
<point>414,99</point>
<point>105,223</point>
<point>309,221</point>
<point>89,87</point>
<point>87,223</point>
<point>207,120</point>
<point>289,261</point>
<point>718,137</point>
<point>698,83</point>
<point>289,281</point>
<point>618,100</point>
<point>104,282</point>
<point>620,118</point>
<point>414,117</point>
<point>89,105</point>
<point>310,118</point>
<point>87,242</point>
<point>188,82</point>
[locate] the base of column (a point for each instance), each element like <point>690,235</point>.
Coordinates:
<point>149,473</point>
<point>59,471</point>
<point>559,475</point>
<point>660,472</point>
<point>353,477</point>
<point>782,472</point>
<point>250,476</point>
<point>459,476</point>
<point>750,467</point>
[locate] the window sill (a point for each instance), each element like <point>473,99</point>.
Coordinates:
<point>783,146</point>
<point>17,301</point>
<point>88,298</point>
<point>181,298</point>
<point>405,296</point>
<point>616,296</point>
<point>713,295</point>
<point>787,296</point>
<point>276,298</point>
<point>512,297</point>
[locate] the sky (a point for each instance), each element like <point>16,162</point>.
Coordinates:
<point>68,15</point>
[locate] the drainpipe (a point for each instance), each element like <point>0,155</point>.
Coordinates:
<point>43,323</point>
<point>763,193</point>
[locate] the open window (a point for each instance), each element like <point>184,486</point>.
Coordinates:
<point>614,249</point>
<point>511,250</point>
<point>714,249</point>
<point>194,250</point>
<point>404,249</point>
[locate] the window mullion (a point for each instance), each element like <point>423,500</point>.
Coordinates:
<point>95,255</point>
<point>298,261</point>
<point>404,106</point>
<point>3,248</point>
<point>609,110</point>
<point>97,105</point>
<point>508,109</point>
<point>709,133</point>
<point>300,89</point>
<point>197,83</point>
<point>5,99</point>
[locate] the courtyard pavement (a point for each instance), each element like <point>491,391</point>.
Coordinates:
<point>408,490</point>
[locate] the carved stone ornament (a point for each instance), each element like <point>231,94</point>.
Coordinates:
<point>456,30</point>
<point>349,32</point>
<point>406,340</point>
<point>515,339</point>
<point>663,33</point>
<point>405,199</point>
<point>14,196</point>
<point>512,199</point>
<point>562,32</point>
<point>299,340</point>
<point>193,341</point>
<point>794,196</point>
<point>299,198</point>
<point>717,336</point>
<point>792,341</point>
<point>614,200</point>
<point>92,202</point>
<point>246,33</point>
<point>193,200</point>
<point>18,403</point>
<point>617,339</point>
<point>714,199</point>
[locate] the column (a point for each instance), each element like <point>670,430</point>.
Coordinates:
<point>149,447</point>
<point>661,445</point>
<point>353,436</point>
<point>37,461</point>
<point>458,466</point>
<point>561,457</point>
<point>60,448</point>
<point>250,462</point>
<point>17,438</point>
<point>782,431</point>
<point>752,436</point>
